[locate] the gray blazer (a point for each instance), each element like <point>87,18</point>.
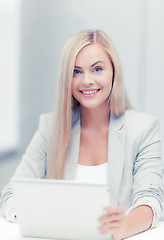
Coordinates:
<point>135,169</point>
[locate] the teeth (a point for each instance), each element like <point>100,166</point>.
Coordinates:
<point>89,92</point>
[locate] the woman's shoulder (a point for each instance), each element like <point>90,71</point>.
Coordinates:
<point>140,121</point>
<point>140,125</point>
<point>132,115</point>
<point>46,117</point>
<point>46,122</point>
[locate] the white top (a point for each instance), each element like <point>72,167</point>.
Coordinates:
<point>92,174</point>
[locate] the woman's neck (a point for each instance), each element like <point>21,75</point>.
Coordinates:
<point>95,118</point>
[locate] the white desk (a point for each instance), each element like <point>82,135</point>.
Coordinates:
<point>10,231</point>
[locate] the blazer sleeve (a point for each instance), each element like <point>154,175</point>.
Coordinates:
<point>32,165</point>
<point>148,186</point>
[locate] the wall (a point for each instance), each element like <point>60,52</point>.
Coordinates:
<point>154,64</point>
<point>9,75</point>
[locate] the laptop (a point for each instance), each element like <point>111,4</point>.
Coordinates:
<point>60,209</point>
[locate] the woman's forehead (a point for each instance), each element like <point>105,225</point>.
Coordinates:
<point>91,53</point>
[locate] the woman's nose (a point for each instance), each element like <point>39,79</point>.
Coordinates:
<point>87,79</point>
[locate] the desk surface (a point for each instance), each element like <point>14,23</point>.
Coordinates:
<point>10,231</point>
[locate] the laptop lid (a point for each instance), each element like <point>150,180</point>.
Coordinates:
<point>60,209</point>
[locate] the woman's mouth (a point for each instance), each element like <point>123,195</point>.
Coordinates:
<point>90,92</point>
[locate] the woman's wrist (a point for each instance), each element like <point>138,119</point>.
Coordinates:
<point>138,220</point>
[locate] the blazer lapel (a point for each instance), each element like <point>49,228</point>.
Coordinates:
<point>116,142</point>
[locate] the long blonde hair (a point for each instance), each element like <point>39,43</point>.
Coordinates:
<point>66,103</point>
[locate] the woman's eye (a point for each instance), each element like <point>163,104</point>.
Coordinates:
<point>76,71</point>
<point>98,69</point>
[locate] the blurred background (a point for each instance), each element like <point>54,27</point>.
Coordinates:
<point>32,35</point>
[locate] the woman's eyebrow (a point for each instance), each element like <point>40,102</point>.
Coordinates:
<point>77,67</point>
<point>90,66</point>
<point>96,63</point>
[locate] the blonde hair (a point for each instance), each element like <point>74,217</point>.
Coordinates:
<point>66,103</point>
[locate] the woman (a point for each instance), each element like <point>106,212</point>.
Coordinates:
<point>97,137</point>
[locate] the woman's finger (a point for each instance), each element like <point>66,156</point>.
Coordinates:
<point>114,210</point>
<point>112,229</point>
<point>110,225</point>
<point>110,218</point>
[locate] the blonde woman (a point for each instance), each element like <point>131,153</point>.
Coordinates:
<point>95,136</point>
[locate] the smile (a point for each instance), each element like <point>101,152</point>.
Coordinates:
<point>90,92</point>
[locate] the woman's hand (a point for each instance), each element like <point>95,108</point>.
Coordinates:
<point>113,222</point>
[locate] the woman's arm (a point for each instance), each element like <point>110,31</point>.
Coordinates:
<point>148,189</point>
<point>120,225</point>
<point>33,165</point>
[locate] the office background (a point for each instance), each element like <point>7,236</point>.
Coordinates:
<point>32,34</point>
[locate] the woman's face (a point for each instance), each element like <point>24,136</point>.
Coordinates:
<point>92,77</point>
